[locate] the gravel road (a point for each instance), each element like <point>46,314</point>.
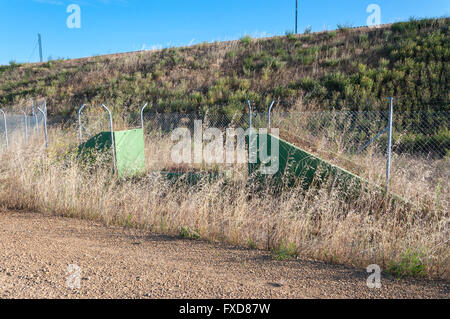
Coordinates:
<point>36,251</point>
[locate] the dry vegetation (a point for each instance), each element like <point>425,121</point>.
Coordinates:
<point>318,223</point>
<point>352,69</point>
<point>416,177</point>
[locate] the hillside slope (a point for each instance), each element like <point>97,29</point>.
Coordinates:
<point>352,68</point>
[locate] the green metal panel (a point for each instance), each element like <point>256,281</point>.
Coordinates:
<point>299,166</point>
<point>130,155</point>
<point>99,142</point>
<point>129,149</point>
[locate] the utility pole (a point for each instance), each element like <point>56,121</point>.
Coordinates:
<point>40,47</point>
<point>296,16</point>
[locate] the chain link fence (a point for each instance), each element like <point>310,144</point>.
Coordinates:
<point>354,140</point>
<point>19,129</point>
<point>354,132</point>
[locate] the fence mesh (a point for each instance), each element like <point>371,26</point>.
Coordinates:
<point>353,140</point>
<point>20,128</point>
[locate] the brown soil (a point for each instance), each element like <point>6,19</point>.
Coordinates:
<point>115,262</point>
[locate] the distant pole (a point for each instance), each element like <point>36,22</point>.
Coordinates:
<point>40,47</point>
<point>296,16</point>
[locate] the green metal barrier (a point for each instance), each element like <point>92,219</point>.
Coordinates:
<point>130,154</point>
<point>128,147</point>
<point>299,166</point>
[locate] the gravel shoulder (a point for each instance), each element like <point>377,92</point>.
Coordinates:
<point>115,262</point>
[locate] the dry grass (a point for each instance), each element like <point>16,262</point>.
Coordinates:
<point>418,178</point>
<point>318,224</point>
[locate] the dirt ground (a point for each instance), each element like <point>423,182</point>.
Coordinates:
<point>36,251</point>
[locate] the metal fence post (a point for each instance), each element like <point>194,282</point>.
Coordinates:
<point>26,126</point>
<point>44,114</point>
<point>45,123</point>
<point>142,116</point>
<point>6,128</point>
<point>270,112</point>
<point>79,123</point>
<point>111,128</point>
<point>112,136</point>
<point>250,114</point>
<point>36,121</point>
<point>251,143</point>
<point>389,146</point>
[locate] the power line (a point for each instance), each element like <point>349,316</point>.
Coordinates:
<point>32,52</point>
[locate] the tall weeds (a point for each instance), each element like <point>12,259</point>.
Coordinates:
<point>319,223</point>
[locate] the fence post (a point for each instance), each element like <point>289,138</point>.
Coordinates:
<point>44,114</point>
<point>389,146</point>
<point>142,116</point>
<point>112,137</point>
<point>79,123</point>
<point>36,121</point>
<point>250,114</point>
<point>26,126</point>
<point>45,123</point>
<point>6,128</point>
<point>250,138</point>
<point>270,112</point>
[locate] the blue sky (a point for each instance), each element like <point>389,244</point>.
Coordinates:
<point>111,26</point>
